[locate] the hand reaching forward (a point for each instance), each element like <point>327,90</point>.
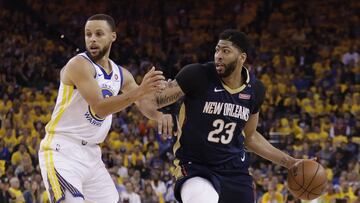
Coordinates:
<point>153,81</point>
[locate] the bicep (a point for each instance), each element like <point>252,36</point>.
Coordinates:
<point>251,124</point>
<point>80,74</point>
<point>129,81</point>
<point>170,94</point>
<point>130,84</point>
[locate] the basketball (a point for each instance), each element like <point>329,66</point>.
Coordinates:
<point>306,180</point>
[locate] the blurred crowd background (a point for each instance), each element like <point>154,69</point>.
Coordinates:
<point>305,52</point>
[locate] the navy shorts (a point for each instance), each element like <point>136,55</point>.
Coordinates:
<point>234,185</point>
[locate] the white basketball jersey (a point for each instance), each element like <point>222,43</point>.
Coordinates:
<point>73,116</point>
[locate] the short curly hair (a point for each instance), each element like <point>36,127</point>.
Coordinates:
<point>239,39</point>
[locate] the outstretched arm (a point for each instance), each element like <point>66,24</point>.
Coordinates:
<point>78,72</point>
<point>169,95</point>
<point>149,106</point>
<point>255,142</point>
<point>191,80</point>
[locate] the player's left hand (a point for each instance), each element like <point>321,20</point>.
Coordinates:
<point>165,125</point>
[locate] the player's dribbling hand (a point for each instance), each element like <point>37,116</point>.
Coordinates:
<point>165,125</point>
<point>152,81</point>
<point>295,161</point>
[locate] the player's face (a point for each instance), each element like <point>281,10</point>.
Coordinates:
<point>227,57</point>
<point>98,38</point>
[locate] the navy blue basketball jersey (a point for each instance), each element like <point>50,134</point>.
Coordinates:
<point>213,116</point>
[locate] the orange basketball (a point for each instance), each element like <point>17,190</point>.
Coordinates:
<point>306,180</point>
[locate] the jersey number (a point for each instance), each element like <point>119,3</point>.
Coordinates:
<point>217,134</point>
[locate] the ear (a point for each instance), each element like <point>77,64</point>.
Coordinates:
<point>242,57</point>
<point>113,35</point>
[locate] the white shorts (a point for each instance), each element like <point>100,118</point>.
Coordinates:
<point>71,165</point>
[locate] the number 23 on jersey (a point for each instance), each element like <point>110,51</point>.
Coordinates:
<point>223,132</point>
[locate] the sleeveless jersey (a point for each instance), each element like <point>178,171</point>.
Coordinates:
<point>213,117</point>
<point>72,115</point>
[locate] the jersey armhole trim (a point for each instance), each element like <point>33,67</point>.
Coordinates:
<point>121,77</point>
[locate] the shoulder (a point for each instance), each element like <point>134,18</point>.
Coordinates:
<point>200,66</point>
<point>259,93</point>
<point>259,90</point>
<point>258,85</point>
<point>194,78</point>
<point>197,69</point>
<point>77,66</point>
<point>78,63</point>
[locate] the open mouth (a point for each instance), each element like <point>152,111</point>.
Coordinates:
<point>219,66</point>
<point>94,48</point>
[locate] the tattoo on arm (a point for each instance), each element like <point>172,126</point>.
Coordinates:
<point>163,98</point>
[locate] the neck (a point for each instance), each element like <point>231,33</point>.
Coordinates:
<point>104,61</point>
<point>235,79</point>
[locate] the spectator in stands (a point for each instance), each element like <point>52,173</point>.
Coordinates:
<point>157,184</point>
<point>4,151</point>
<point>129,195</point>
<point>324,48</point>
<point>5,195</point>
<point>18,155</point>
<point>272,196</point>
<point>149,195</point>
<point>15,191</point>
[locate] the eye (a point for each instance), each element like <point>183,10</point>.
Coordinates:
<point>216,50</point>
<point>99,34</point>
<point>226,51</point>
<point>88,34</point>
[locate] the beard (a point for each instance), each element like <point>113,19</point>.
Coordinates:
<point>228,69</point>
<point>101,53</point>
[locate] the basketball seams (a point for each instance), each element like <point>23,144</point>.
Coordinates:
<point>319,185</point>
<point>312,179</point>
<point>301,187</point>
<point>291,176</point>
<point>307,190</point>
<point>303,173</point>
<point>311,191</point>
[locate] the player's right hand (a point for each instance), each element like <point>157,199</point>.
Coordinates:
<point>153,81</point>
<point>165,125</point>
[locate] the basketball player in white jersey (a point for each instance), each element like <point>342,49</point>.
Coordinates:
<point>69,155</point>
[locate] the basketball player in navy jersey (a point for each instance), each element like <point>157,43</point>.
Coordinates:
<point>217,122</point>
<point>70,155</point>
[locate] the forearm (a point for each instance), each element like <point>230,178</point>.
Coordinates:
<point>169,95</point>
<point>259,145</point>
<point>117,103</point>
<point>148,107</point>
<point>163,99</point>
